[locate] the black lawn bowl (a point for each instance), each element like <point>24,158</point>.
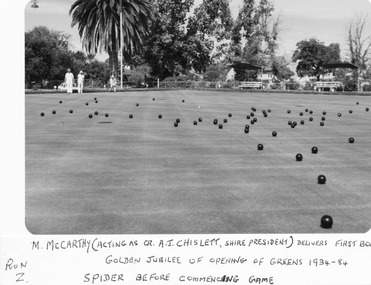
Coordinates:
<point>215,121</point>
<point>87,104</point>
<point>220,126</point>
<point>324,113</point>
<point>230,115</point>
<point>225,120</point>
<point>252,114</point>
<point>260,147</point>
<point>153,99</point>
<point>252,122</point>
<point>299,157</point>
<point>247,127</point>
<point>159,116</point>
<point>321,179</point>
<point>96,113</point>
<point>175,124</point>
<point>200,119</point>
<point>253,109</point>
<point>106,115</point>
<point>137,104</point>
<point>131,116</point>
<point>357,103</point>
<point>71,111</point>
<point>195,123</point>
<point>289,123</point>
<point>339,114</point>
<point>311,119</point>
<point>314,150</point>
<point>96,101</point>
<point>54,112</point>
<point>327,222</point>
<point>322,124</point>
<point>293,126</point>
<point>302,122</point>
<point>248,117</point>
<point>247,130</point>
<point>269,110</point>
<point>351,140</point>
<point>90,116</point>
<point>295,123</point>
<point>274,133</point>
<point>183,101</point>
<point>42,114</point>
<point>60,102</point>
<point>265,115</point>
<point>311,112</point>
<point>323,118</point>
<point>350,111</point>
<point>306,110</point>
<point>177,120</point>
<point>301,114</point>
<point>255,120</point>
<point>367,109</point>
<point>288,111</point>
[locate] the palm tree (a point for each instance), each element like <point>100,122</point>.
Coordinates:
<point>99,26</point>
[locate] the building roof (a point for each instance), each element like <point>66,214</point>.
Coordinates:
<point>244,65</point>
<point>340,65</point>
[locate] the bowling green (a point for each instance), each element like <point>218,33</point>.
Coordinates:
<point>116,175</point>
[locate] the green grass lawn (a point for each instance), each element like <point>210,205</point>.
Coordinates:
<point>118,175</point>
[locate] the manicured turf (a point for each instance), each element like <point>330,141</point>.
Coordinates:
<point>116,175</point>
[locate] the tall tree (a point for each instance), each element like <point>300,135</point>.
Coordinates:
<point>359,45</point>
<point>47,54</point>
<point>255,34</point>
<point>212,21</point>
<point>170,48</point>
<point>98,24</point>
<point>312,54</point>
<point>212,18</point>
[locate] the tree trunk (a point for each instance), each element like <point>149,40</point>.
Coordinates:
<point>113,62</point>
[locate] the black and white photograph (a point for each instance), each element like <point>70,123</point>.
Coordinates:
<point>185,142</point>
<point>197,117</point>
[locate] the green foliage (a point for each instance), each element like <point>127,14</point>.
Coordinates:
<point>280,69</point>
<point>215,72</point>
<point>312,54</point>
<point>47,54</point>
<point>139,75</point>
<point>254,35</point>
<point>213,19</point>
<point>169,49</point>
<point>98,23</point>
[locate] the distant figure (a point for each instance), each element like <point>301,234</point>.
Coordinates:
<point>80,81</point>
<point>68,78</point>
<point>112,83</point>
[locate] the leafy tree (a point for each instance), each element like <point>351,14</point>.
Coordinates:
<point>98,24</point>
<point>170,49</point>
<point>254,35</point>
<point>47,54</point>
<point>280,69</point>
<point>215,72</point>
<point>212,21</point>
<point>312,54</point>
<point>98,72</point>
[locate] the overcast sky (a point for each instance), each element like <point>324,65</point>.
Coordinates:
<point>325,20</point>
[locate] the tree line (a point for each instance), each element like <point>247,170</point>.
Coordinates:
<point>168,38</point>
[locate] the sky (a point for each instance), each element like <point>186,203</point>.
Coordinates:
<point>325,20</point>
